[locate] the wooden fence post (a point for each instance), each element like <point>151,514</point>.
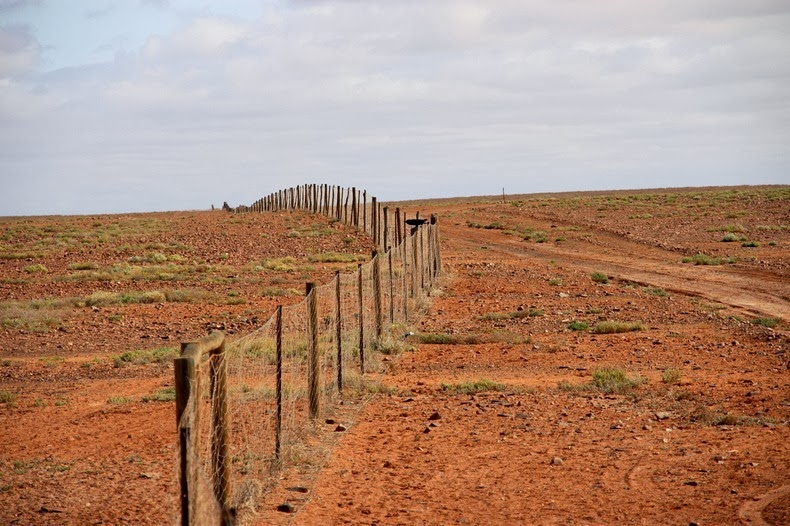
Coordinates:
<point>376,261</point>
<point>361,317</point>
<point>338,333</point>
<point>392,288</point>
<point>220,436</point>
<point>278,427</point>
<point>313,375</point>
<point>386,230</point>
<point>404,279</point>
<point>186,390</point>
<point>364,210</point>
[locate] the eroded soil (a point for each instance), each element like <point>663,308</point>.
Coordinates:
<point>701,438</point>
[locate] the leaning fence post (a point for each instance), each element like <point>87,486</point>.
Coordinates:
<point>312,360</point>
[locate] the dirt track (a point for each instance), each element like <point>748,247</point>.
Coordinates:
<point>707,445</point>
<point>538,454</point>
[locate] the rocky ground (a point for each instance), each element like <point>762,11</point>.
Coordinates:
<point>515,404</point>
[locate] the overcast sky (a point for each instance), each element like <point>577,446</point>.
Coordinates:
<point>128,105</point>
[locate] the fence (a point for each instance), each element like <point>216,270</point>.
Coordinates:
<point>267,387</point>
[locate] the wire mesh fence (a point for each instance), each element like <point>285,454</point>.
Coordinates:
<point>284,375</point>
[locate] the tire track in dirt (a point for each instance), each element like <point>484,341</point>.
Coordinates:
<point>752,291</point>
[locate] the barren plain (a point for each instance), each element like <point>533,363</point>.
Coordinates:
<point>592,358</point>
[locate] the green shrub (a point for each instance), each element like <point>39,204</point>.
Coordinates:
<point>7,397</point>
<point>730,237</point>
<point>750,244</point>
<point>36,269</point>
<point>578,326</point>
<point>655,291</point>
<point>766,322</point>
<point>600,277</point>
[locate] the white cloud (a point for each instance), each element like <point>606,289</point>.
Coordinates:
<point>467,97</point>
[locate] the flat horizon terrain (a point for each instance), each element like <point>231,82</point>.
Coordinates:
<point>590,358</point>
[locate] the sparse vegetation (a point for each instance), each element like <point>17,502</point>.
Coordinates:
<point>578,326</point>
<point>555,282</point>
<point>670,376</point>
<point>750,244</point>
<point>119,400</point>
<point>7,397</point>
<point>472,387</point>
<point>612,327</point>
<point>655,291</point>
<point>142,357</point>
<point>704,259</point>
<point>523,313</point>
<point>766,322</point>
<point>167,394</point>
<point>36,269</point>
<point>336,257</point>
<point>614,381</point>
<point>599,277</point>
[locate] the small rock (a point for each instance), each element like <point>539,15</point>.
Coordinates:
<point>286,507</point>
<point>330,421</point>
<point>340,428</point>
<point>298,489</point>
<point>426,430</point>
<point>435,416</point>
<point>387,464</point>
<point>691,483</point>
<point>662,415</point>
<point>556,461</point>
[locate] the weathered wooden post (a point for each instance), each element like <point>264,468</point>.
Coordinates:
<point>338,333</point>
<point>313,372</point>
<point>220,436</point>
<point>278,386</point>
<point>187,386</point>
<point>386,230</point>
<point>398,226</point>
<point>378,317</point>
<point>392,287</point>
<point>374,230</point>
<point>361,317</point>
<point>404,279</point>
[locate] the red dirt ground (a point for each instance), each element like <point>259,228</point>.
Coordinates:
<point>709,446</point>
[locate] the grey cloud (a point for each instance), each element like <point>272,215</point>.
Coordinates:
<point>19,50</point>
<point>464,97</point>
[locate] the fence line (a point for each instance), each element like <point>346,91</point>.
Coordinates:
<point>282,377</point>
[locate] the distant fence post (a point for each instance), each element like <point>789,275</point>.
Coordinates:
<point>313,373</point>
